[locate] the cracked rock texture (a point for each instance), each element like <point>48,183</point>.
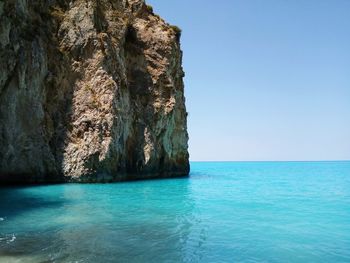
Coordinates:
<point>90,91</point>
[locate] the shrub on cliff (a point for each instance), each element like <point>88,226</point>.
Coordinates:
<point>177,31</point>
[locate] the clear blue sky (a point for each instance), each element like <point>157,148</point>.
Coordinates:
<point>265,79</point>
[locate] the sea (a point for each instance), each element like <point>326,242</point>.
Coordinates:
<point>297,212</point>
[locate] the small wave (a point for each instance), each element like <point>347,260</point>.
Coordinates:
<point>2,219</point>
<point>8,239</point>
<point>13,238</point>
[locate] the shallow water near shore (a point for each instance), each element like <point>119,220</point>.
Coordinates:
<point>224,212</point>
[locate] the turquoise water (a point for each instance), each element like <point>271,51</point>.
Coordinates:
<point>225,212</point>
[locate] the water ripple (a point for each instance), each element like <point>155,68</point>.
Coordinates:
<point>226,212</point>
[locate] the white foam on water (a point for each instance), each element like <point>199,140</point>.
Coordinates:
<point>2,219</point>
<point>13,238</point>
<point>8,239</point>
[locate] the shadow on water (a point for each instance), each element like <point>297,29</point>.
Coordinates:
<point>20,199</point>
<point>18,203</point>
<point>153,221</point>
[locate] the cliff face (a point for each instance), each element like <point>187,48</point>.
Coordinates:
<point>90,91</point>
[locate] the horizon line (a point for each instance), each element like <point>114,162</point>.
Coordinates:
<point>266,161</point>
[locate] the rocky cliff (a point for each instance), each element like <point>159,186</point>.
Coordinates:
<point>90,91</point>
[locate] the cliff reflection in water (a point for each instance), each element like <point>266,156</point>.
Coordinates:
<point>130,222</point>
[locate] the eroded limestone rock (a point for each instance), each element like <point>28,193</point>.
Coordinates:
<point>89,91</point>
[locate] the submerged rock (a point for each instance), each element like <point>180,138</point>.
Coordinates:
<point>90,91</point>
